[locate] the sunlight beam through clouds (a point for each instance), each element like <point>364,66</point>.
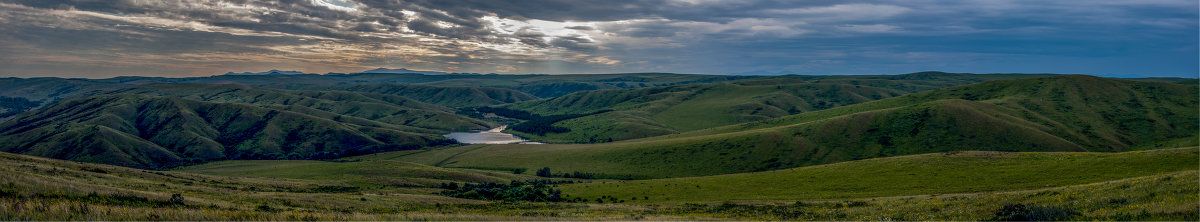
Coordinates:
<point>198,38</point>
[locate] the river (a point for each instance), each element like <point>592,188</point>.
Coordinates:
<point>492,136</point>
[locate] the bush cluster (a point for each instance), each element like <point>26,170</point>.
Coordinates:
<point>541,125</point>
<point>534,190</point>
<point>16,105</point>
<point>545,172</point>
<point>1022,212</point>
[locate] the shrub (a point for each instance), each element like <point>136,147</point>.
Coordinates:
<point>541,125</point>
<point>265,208</point>
<point>534,190</point>
<point>510,113</point>
<point>176,199</point>
<point>1021,212</point>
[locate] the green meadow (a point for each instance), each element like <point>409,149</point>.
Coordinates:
<point>966,186</point>
<point>926,174</point>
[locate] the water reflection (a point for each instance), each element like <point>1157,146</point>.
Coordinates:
<point>492,136</point>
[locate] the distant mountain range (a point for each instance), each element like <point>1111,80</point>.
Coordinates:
<point>409,71</point>
<point>372,71</point>
<point>272,72</point>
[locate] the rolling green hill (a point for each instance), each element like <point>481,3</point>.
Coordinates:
<point>1100,114</point>
<point>46,91</point>
<point>11,106</point>
<point>1061,113</point>
<point>548,86</point>
<point>926,174</point>
<point>657,111</point>
<point>36,188</point>
<point>391,174</point>
<point>647,112</point>
<point>446,90</point>
<point>149,132</point>
<point>388,109</point>
<point>451,96</point>
<point>913,82</point>
<point>540,85</point>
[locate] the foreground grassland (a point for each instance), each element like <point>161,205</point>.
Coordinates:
<point>1113,187</point>
<point>41,189</point>
<point>941,173</point>
<point>408,177</point>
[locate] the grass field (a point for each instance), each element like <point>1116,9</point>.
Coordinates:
<point>1114,189</point>
<point>655,111</point>
<point>1170,197</point>
<point>940,173</point>
<point>368,174</point>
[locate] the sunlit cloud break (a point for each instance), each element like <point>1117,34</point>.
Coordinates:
<point>98,39</point>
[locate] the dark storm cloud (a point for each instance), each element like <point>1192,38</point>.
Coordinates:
<point>574,43</point>
<point>429,26</point>
<point>531,37</point>
<point>694,36</point>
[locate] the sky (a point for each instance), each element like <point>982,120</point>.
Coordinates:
<point>180,38</point>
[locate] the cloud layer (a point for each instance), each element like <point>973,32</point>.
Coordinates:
<point>85,38</point>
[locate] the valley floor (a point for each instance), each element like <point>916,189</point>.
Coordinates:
<point>1123,188</point>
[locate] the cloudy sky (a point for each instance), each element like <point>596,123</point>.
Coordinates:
<point>105,38</point>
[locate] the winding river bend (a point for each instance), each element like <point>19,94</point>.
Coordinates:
<point>491,136</point>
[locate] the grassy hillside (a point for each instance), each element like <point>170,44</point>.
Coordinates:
<point>1063,113</point>
<point>388,109</point>
<point>547,86</point>
<point>11,106</point>
<point>647,112</point>
<point>927,174</point>
<point>1100,114</point>
<point>1169,196</point>
<point>46,91</point>
<point>47,189</point>
<point>149,132</point>
<point>42,189</point>
<point>665,110</point>
<point>914,82</point>
<point>358,174</point>
<point>540,85</point>
<point>446,90</point>
<point>451,96</point>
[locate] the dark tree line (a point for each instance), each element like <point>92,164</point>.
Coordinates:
<point>16,105</point>
<point>534,123</point>
<point>544,124</point>
<point>545,172</point>
<point>477,112</point>
<point>533,190</point>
